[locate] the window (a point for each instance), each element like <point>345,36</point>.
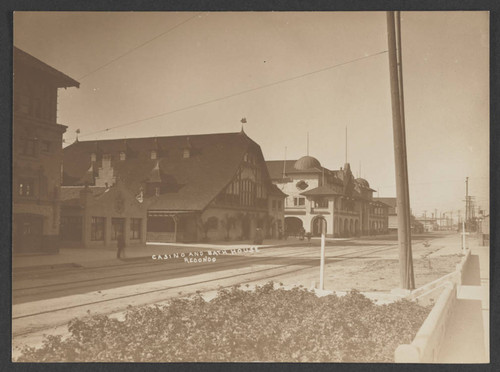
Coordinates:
<point>280,205</point>
<point>123,156</point>
<point>97,228</point>
<point>298,202</point>
<point>321,203</point>
<point>26,228</point>
<point>26,187</point>
<point>274,204</point>
<point>24,105</point>
<point>93,157</point>
<point>135,228</point>
<point>117,227</point>
<point>186,153</point>
<point>28,146</point>
<point>153,155</point>
<point>45,146</point>
<point>157,191</point>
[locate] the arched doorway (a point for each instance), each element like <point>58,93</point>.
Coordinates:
<point>293,225</point>
<point>351,227</point>
<point>356,227</point>
<point>346,227</point>
<point>318,226</point>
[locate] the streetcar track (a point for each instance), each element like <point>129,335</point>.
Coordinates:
<point>49,272</point>
<point>156,272</point>
<point>173,270</point>
<point>190,284</point>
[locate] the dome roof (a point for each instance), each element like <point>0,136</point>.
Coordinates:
<point>363,182</point>
<point>307,162</point>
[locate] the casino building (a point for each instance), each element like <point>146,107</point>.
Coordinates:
<point>333,201</point>
<point>168,189</point>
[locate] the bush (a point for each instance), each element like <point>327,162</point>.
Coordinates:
<point>263,325</point>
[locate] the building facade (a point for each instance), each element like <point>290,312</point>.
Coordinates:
<point>321,200</point>
<point>190,188</point>
<point>93,216</point>
<point>37,154</point>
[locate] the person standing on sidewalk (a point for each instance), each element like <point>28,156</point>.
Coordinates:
<point>120,241</point>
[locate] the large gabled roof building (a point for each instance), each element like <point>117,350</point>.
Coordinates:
<point>183,181</point>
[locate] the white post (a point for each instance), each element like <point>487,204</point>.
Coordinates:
<point>322,264</point>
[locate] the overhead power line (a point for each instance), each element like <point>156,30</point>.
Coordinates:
<point>137,47</point>
<point>234,94</point>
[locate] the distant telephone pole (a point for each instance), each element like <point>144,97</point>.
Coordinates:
<point>402,188</point>
<point>466,201</point>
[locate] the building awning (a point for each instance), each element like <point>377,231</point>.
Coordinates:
<point>166,213</point>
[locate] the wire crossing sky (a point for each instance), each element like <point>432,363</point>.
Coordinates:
<point>172,73</point>
<point>231,95</point>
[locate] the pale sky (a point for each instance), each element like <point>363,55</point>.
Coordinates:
<point>209,56</point>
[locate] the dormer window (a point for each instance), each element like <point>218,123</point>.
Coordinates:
<point>93,157</point>
<point>154,155</point>
<point>123,156</point>
<point>186,154</point>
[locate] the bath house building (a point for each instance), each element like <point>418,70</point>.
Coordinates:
<point>169,189</point>
<point>333,201</point>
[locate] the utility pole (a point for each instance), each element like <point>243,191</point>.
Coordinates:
<point>402,189</point>
<point>466,201</point>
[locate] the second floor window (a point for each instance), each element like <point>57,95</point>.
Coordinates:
<point>26,187</point>
<point>299,202</point>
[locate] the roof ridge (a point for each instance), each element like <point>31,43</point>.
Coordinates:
<point>160,137</point>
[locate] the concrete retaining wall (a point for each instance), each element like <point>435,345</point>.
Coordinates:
<point>425,346</point>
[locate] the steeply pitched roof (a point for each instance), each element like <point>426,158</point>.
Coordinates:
<point>21,58</point>
<point>320,191</point>
<point>195,181</point>
<point>390,202</point>
<point>275,190</point>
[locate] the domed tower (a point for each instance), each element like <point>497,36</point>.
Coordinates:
<point>307,162</point>
<point>363,183</point>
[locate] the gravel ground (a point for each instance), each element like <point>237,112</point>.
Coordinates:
<point>432,259</point>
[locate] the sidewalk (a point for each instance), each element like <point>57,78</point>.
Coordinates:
<point>467,336</point>
<point>93,257</point>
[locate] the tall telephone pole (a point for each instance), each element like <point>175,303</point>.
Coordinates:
<point>466,201</point>
<point>402,189</point>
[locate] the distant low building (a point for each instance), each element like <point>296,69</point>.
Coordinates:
<point>37,154</point>
<point>330,201</point>
<point>186,188</point>
<point>429,224</point>
<point>392,216</point>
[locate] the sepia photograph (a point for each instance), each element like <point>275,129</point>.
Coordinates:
<point>222,186</point>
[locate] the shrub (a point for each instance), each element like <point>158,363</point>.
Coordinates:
<point>263,325</point>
